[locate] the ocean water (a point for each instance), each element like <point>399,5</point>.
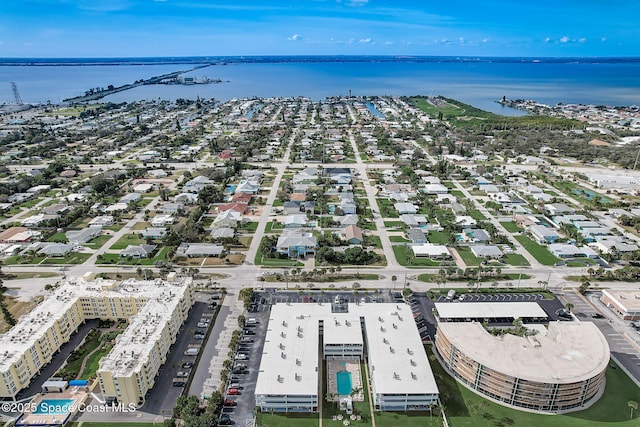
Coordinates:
<point>479,83</point>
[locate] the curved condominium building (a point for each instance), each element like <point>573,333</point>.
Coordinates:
<point>556,371</point>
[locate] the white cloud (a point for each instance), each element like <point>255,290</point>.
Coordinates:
<point>356,2</point>
<point>485,40</point>
<point>603,39</point>
<point>295,37</point>
<point>582,40</point>
<point>461,40</point>
<point>387,43</point>
<point>547,40</point>
<point>366,41</point>
<point>564,39</point>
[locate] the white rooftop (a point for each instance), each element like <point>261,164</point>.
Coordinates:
<point>34,325</point>
<point>569,352</point>
<point>489,310</point>
<point>290,359</point>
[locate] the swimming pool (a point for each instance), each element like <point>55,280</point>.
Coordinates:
<point>54,406</point>
<point>343,380</point>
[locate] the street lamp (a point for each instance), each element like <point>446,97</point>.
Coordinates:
<point>286,275</point>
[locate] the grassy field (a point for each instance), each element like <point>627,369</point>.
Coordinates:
<point>467,256</point>
<point>540,253</point>
<point>126,240</point>
<point>394,224</point>
<point>438,237</point>
<point>515,259</point>
<point>398,239</point>
<point>111,424</point>
<point>98,241</point>
<point>466,409</point>
<point>511,227</point>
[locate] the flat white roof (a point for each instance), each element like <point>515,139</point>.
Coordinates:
<point>397,361</point>
<point>158,296</point>
<point>290,358</point>
<point>488,310</point>
<point>627,300</point>
<point>569,352</point>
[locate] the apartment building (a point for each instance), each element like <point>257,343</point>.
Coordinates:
<point>155,310</point>
<point>560,369</point>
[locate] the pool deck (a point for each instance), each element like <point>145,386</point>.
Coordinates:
<point>71,393</point>
<point>349,365</point>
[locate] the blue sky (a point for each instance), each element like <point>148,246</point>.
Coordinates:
<point>121,28</point>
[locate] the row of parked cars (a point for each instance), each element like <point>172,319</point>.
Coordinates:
<point>235,382</point>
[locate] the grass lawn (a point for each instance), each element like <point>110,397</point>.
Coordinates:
<point>476,214</point>
<point>394,224</point>
<point>93,361</point>
<point>438,237</point>
<point>272,226</point>
<point>467,256</point>
<point>459,194</point>
<point>58,237</point>
<point>73,258</point>
<point>511,227</point>
<point>515,259</point>
<point>466,409</point>
<point>98,241</point>
<point>387,210</point>
<point>249,226</point>
<point>275,262</point>
<point>398,239</point>
<point>126,240</point>
<point>540,253</point>
<point>405,257</point>
<point>30,275</point>
<point>275,420</point>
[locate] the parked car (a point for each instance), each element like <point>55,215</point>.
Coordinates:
<point>233,391</point>
<point>182,374</point>
<point>248,332</point>
<point>229,402</point>
<point>187,365</point>
<point>225,420</point>
<point>598,316</point>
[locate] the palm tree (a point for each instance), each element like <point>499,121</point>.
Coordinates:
<point>633,405</point>
<point>393,280</point>
<point>568,307</point>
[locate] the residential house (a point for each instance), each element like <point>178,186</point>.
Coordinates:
<point>169,208</point>
<point>486,251</point>
<point>475,235</point>
<point>406,208</point>
<point>33,221</point>
<point>294,207</point>
<point>241,208</point>
<point>352,234</point>
<point>430,250</point>
<point>346,220</point>
<point>543,234</point>
<point>199,250</point>
<point>138,251</point>
<point>296,244</point>
<point>56,209</point>
<point>435,189</point>
<point>101,221</point>
<point>157,173</point>
<point>227,219</point>
<point>416,235</point>
<point>196,184</point>
<point>83,236</point>
<point>143,188</point>
<point>241,198</point>
<point>18,235</point>
<point>248,186</point>
<point>154,233</point>
<point>295,221</point>
<point>186,198</point>
<point>465,221</point>
<point>162,220</point>
<point>563,250</point>
<point>131,197</point>
<point>56,250</point>
<point>18,198</point>
<point>223,233</point>
<point>612,244</point>
<point>559,209</point>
